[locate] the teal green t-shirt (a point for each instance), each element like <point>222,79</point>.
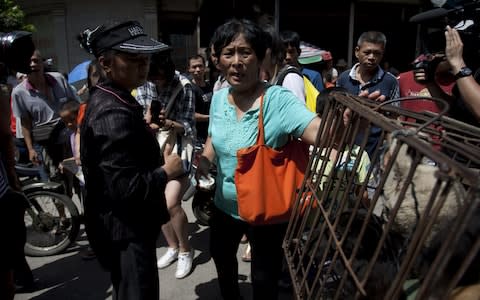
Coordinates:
<point>283,115</point>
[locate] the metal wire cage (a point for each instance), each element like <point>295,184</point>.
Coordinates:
<point>401,220</point>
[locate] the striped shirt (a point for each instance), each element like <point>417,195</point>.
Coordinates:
<point>184,109</point>
<point>3,179</point>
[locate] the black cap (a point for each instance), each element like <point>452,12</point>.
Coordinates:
<point>126,37</point>
<point>16,49</point>
<point>450,13</point>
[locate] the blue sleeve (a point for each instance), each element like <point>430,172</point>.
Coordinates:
<point>395,91</point>
<point>18,104</point>
<point>314,77</point>
<point>341,79</point>
<point>318,82</point>
<point>284,115</point>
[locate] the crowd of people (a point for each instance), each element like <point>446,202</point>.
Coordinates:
<point>134,185</point>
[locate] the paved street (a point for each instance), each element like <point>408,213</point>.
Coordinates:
<point>67,276</point>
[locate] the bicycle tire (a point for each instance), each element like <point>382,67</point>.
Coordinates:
<point>47,226</point>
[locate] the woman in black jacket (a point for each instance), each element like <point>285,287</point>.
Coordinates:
<point>124,172</point>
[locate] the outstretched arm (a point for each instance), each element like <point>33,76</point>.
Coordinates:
<point>468,87</point>
<point>205,160</point>
<point>310,133</point>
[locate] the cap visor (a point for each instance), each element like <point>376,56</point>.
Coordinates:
<point>141,44</point>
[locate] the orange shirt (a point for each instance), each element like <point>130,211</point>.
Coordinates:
<point>329,85</point>
<point>13,120</point>
<point>81,113</point>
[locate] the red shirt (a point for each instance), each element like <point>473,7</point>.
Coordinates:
<point>409,87</point>
<point>13,120</point>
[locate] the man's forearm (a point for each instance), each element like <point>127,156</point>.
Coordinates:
<point>436,91</point>
<point>201,117</point>
<point>469,89</point>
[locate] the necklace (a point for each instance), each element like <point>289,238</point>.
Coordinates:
<point>244,103</point>
<point>247,97</point>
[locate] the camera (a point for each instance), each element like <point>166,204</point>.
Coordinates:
<point>16,49</point>
<point>427,63</point>
<point>463,15</point>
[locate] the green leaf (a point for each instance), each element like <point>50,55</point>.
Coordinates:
<point>12,17</point>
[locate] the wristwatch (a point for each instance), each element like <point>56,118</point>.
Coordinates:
<point>464,72</point>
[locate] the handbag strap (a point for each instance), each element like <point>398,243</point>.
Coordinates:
<point>261,131</point>
<point>175,92</point>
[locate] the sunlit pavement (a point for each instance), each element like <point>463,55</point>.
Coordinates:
<point>67,276</point>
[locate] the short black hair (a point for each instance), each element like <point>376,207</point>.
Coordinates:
<point>276,45</point>
<point>162,62</point>
<point>71,105</point>
<point>291,38</point>
<point>196,56</point>
<point>374,37</point>
<point>95,64</point>
<point>253,34</point>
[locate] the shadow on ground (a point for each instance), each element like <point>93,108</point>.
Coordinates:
<point>72,278</point>
<point>211,291</point>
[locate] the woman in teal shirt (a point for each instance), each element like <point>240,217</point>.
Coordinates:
<point>240,47</point>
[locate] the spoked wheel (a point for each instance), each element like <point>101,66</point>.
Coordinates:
<point>52,222</point>
<point>202,206</point>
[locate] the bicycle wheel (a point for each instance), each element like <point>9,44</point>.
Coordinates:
<point>52,223</point>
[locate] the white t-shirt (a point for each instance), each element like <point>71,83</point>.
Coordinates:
<point>295,84</point>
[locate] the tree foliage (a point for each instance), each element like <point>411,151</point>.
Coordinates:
<point>12,17</point>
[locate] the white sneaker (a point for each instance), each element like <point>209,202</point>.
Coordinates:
<point>184,264</point>
<point>168,258</point>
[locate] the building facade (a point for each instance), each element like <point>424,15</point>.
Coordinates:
<point>58,23</point>
<point>187,25</point>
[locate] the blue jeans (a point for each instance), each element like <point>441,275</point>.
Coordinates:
<point>23,158</point>
<point>42,173</point>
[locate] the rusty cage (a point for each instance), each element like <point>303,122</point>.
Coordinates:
<point>399,223</point>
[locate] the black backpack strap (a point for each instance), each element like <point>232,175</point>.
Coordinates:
<point>284,72</point>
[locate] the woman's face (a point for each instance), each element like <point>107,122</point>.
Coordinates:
<point>129,70</point>
<point>93,75</point>
<point>240,64</point>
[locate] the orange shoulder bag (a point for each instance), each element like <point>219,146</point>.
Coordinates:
<point>267,179</point>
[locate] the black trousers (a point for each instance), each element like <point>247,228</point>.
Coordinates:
<point>134,271</point>
<point>14,233</point>
<point>267,255</point>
